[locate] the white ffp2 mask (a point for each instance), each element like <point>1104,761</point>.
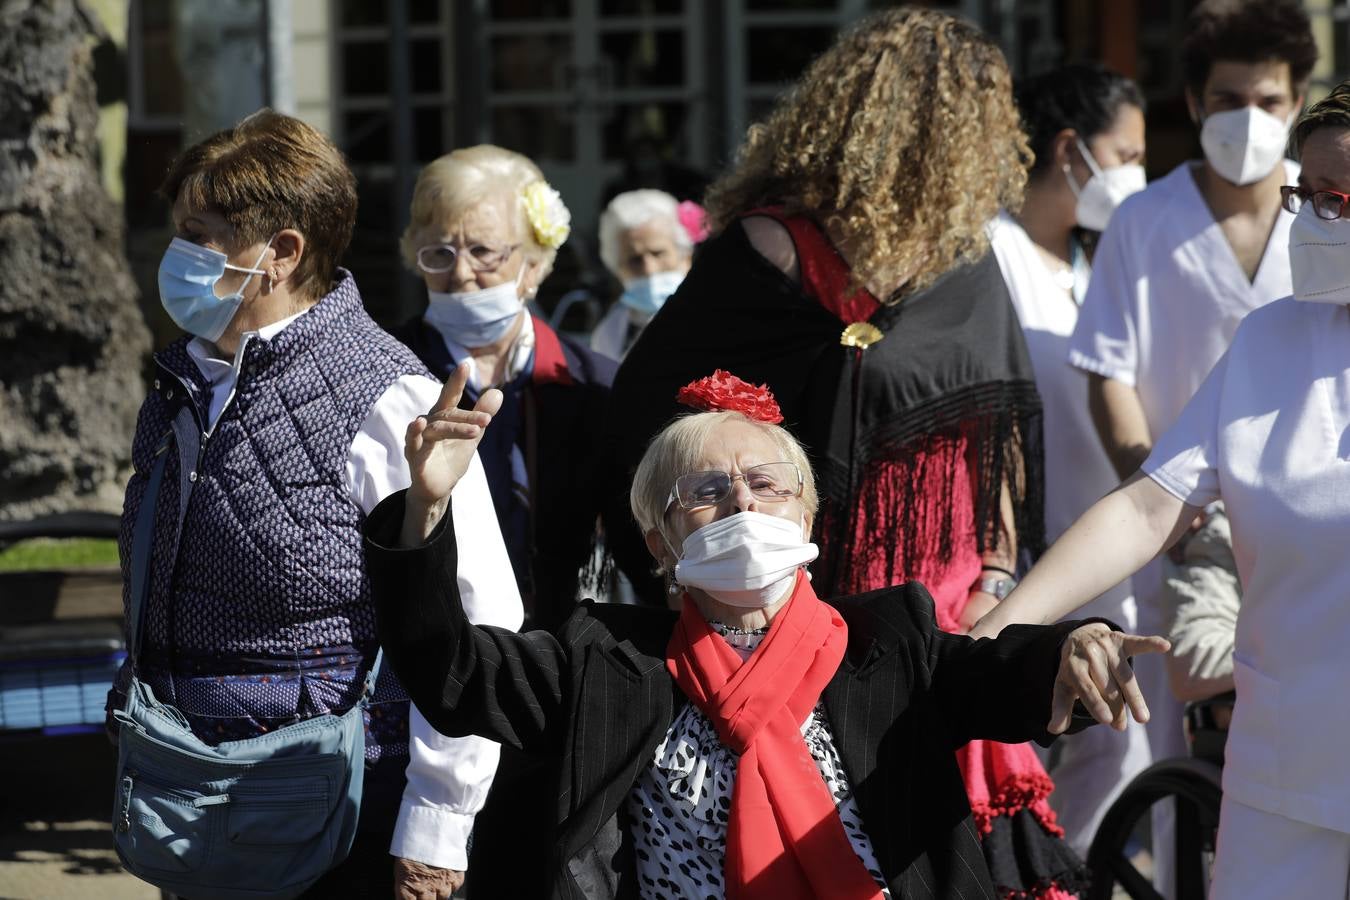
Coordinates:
<point>748,560</point>
<point>1319,257</point>
<point>1244,145</point>
<point>1104,191</point>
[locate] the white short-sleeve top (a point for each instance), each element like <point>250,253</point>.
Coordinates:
<point>1077,470</point>
<point>1167,293</point>
<point>1269,432</point>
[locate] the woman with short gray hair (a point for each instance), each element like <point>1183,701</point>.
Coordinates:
<point>645,245</point>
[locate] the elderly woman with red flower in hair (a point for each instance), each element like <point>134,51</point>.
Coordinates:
<point>759,742</point>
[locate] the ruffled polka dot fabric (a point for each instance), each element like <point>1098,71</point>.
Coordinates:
<point>679,808</point>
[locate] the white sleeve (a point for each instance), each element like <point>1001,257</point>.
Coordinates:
<point>448,783</point>
<point>1106,340</point>
<point>375,466</point>
<point>1185,460</point>
<point>448,778</point>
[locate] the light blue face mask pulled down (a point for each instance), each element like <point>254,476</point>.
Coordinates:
<point>475,318</point>
<point>187,287</point>
<point>647,295</point>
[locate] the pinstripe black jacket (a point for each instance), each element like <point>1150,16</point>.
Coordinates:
<point>596,699</point>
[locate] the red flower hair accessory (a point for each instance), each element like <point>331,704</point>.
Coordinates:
<point>723,392</point>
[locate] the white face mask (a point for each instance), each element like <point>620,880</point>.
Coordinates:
<point>747,560</point>
<point>1244,145</point>
<point>1319,257</point>
<point>475,318</point>
<point>1104,191</point>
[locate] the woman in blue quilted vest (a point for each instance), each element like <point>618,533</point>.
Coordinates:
<point>283,408</point>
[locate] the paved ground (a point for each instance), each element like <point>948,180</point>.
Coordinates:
<point>55,842</point>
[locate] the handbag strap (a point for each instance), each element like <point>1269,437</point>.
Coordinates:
<point>371,677</point>
<point>142,543</point>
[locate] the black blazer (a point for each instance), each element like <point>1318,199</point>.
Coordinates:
<point>597,700</point>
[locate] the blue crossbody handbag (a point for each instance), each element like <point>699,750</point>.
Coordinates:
<point>263,817</point>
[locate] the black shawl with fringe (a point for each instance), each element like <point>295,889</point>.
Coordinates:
<point>952,361</point>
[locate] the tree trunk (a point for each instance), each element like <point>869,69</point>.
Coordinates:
<point>72,338</point>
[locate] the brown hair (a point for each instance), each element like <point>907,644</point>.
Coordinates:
<point>903,136</point>
<point>268,173</point>
<point>1332,111</point>
<point>1248,31</point>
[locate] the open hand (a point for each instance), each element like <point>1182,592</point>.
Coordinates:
<point>440,445</point>
<point>439,448</point>
<point>1094,668</point>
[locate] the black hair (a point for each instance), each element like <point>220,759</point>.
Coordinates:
<point>1332,111</point>
<point>1248,31</point>
<point>1086,97</point>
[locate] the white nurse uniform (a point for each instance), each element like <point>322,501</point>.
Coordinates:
<point>1090,768</point>
<point>1269,432</point>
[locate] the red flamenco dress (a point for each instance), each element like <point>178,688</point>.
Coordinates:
<point>914,516</point>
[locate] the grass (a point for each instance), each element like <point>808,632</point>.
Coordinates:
<point>58,553</point>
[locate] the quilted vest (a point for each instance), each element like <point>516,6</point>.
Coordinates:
<point>259,610</point>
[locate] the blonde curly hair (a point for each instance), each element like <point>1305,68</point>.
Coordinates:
<point>903,138</point>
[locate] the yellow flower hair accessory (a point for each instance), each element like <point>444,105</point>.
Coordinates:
<point>547,214</point>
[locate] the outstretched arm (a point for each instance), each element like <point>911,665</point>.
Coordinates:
<point>464,679</point>
<point>1111,541</point>
<point>440,447</point>
<point>1024,684</point>
<point>1121,425</point>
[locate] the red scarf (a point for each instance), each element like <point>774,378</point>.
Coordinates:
<point>784,837</point>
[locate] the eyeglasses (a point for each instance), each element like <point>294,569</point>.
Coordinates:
<point>1327,204</point>
<point>436,258</point>
<point>774,481</point>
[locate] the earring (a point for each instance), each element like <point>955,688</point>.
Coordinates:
<point>673,589</point>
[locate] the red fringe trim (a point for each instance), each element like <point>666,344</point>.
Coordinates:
<point>1051,891</point>
<point>1028,791</point>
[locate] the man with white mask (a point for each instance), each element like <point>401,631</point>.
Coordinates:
<point>644,244</point>
<point>1184,261</point>
<point>1085,125</point>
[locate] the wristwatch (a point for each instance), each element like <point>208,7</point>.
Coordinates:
<point>998,586</point>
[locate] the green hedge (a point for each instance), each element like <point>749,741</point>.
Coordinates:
<point>53,553</point>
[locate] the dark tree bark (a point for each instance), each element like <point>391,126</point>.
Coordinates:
<point>72,337</point>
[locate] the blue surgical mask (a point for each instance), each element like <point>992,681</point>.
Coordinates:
<point>649,294</point>
<point>187,288</point>
<point>475,318</point>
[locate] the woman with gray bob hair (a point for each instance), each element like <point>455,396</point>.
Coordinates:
<point>759,742</point>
